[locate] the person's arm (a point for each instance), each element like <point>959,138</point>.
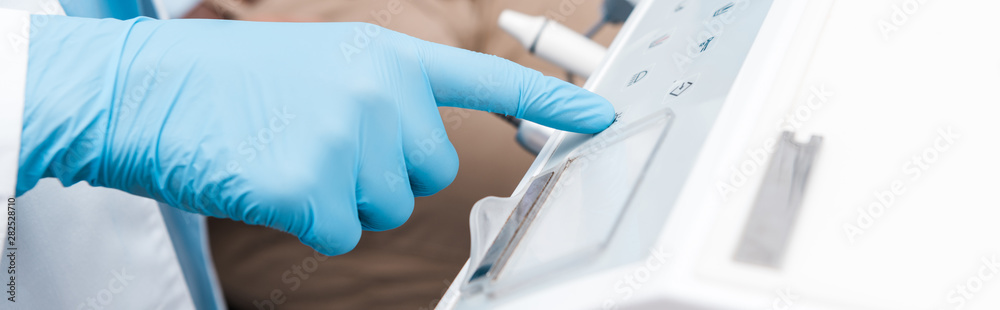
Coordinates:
<point>317,129</point>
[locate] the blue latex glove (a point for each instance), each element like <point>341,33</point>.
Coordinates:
<point>320,130</point>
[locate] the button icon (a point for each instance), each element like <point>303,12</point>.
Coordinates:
<point>659,40</point>
<point>680,88</point>
<point>723,9</point>
<point>637,77</point>
<point>704,45</point>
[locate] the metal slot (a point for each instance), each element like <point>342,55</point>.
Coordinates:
<point>769,226</point>
<point>512,231</point>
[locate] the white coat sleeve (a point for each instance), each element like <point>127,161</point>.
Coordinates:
<point>15,32</point>
<point>14,36</point>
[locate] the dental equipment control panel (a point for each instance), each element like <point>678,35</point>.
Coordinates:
<point>723,184</point>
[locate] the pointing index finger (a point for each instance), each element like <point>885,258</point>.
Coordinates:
<point>466,79</point>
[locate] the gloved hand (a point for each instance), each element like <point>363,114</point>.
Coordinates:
<point>320,130</point>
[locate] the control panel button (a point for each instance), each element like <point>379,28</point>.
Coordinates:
<point>723,9</point>
<point>680,87</point>
<point>638,76</point>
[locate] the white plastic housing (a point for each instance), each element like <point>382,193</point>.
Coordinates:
<point>553,42</point>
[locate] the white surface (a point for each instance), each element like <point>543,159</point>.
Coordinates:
<point>888,95</point>
<point>637,76</point>
<point>889,104</point>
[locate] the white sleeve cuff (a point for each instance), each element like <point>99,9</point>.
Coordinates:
<point>14,31</point>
